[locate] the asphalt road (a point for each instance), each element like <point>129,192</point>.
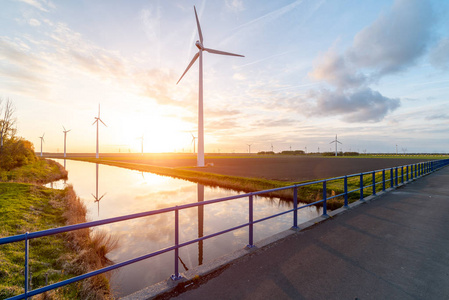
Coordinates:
<point>395,247</point>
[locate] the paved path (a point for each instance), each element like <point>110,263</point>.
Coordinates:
<point>395,247</point>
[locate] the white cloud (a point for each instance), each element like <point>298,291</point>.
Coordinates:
<point>235,5</point>
<point>34,22</point>
<point>41,5</point>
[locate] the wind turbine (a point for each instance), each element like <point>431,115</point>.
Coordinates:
<point>249,148</point>
<point>42,140</point>
<point>96,121</point>
<point>141,145</point>
<point>201,48</point>
<point>65,138</point>
<point>336,143</point>
<point>193,141</point>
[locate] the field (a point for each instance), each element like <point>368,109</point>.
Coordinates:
<point>271,167</point>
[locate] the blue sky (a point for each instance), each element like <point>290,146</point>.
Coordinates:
<point>374,72</point>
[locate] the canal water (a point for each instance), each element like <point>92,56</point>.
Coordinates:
<point>111,191</point>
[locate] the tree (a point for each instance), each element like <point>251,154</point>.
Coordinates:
<point>7,121</point>
<point>16,152</point>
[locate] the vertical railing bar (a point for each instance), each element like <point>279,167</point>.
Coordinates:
<point>406,170</point>
<point>324,199</point>
<point>402,174</point>
<point>250,221</point>
<point>361,186</point>
<point>391,178</point>
<point>27,253</point>
<point>383,179</point>
<point>346,191</point>
<point>176,276</point>
<point>295,208</point>
<point>396,176</point>
<point>374,183</point>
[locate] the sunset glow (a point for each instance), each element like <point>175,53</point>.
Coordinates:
<point>312,69</point>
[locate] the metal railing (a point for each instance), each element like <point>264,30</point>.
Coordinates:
<point>375,180</point>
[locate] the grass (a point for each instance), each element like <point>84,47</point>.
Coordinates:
<point>41,171</point>
<point>29,207</point>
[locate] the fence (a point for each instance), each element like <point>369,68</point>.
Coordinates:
<point>367,183</point>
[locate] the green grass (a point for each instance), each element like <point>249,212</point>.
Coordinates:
<point>27,208</point>
<point>40,171</point>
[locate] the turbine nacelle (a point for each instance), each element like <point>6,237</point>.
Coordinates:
<point>199,45</point>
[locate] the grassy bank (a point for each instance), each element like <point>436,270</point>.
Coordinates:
<point>29,207</point>
<point>40,171</point>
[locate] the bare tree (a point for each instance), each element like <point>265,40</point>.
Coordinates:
<point>7,120</point>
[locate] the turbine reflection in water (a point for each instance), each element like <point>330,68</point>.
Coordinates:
<point>133,191</point>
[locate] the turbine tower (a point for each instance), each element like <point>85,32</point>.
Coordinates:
<point>336,141</point>
<point>201,48</point>
<point>65,138</point>
<point>193,141</point>
<point>141,145</point>
<point>96,121</point>
<point>42,140</point>
<point>249,148</point>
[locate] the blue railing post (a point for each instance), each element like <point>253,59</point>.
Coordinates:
<point>402,174</point>
<point>406,176</point>
<point>346,192</point>
<point>176,276</point>
<point>391,178</point>
<point>250,221</point>
<point>361,186</point>
<point>396,177</point>
<point>295,208</point>
<point>383,180</point>
<point>27,270</point>
<point>324,199</point>
<point>416,170</point>
<point>374,182</point>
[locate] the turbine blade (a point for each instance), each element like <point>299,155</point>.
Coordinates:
<point>63,127</point>
<point>96,120</point>
<point>332,142</point>
<point>101,197</point>
<point>102,122</point>
<point>195,57</point>
<point>339,142</point>
<point>94,197</point>
<point>222,52</point>
<point>198,25</point>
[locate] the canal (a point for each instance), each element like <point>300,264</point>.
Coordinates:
<point>111,191</point>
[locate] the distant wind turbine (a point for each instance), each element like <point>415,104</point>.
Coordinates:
<point>249,148</point>
<point>336,141</point>
<point>141,145</point>
<point>42,140</point>
<point>96,121</point>
<point>65,138</point>
<point>201,48</point>
<point>193,141</point>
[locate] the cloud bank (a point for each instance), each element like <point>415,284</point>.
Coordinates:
<point>391,44</point>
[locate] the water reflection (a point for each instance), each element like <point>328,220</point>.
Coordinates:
<point>97,200</point>
<point>133,191</point>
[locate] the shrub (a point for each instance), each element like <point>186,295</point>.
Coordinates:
<point>16,152</point>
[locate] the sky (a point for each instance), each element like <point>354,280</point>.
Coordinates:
<point>375,73</point>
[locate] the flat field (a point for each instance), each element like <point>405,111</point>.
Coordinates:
<point>271,167</point>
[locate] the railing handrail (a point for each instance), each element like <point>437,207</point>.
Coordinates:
<point>418,169</point>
